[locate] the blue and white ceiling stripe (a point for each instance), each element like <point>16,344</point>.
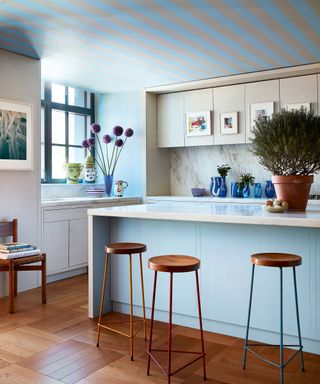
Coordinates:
<point>117,45</point>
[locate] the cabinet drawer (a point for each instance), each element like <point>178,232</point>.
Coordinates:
<point>64,214</point>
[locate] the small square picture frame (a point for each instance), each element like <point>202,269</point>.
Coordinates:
<point>229,123</point>
<point>260,111</point>
<point>198,123</point>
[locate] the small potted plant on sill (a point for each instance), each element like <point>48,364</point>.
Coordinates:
<point>288,145</point>
<point>246,180</point>
<point>218,186</point>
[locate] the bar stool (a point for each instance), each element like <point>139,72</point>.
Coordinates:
<point>121,249</point>
<point>174,264</point>
<point>280,260</point>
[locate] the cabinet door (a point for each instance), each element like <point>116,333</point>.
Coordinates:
<point>55,244</point>
<point>170,120</point>
<point>198,101</point>
<point>259,93</point>
<point>78,242</point>
<point>227,100</point>
<point>297,90</point>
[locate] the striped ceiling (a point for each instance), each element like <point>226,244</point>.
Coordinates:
<point>117,45</point>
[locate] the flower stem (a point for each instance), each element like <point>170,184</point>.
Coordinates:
<point>101,157</point>
<point>118,154</point>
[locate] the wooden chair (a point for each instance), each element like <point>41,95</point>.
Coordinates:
<point>10,229</point>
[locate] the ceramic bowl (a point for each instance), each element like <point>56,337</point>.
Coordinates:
<point>95,192</point>
<point>198,192</point>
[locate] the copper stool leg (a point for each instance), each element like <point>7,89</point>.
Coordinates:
<point>131,308</point>
<point>170,328</point>
<point>143,302</point>
<point>152,317</point>
<point>102,296</point>
<point>201,330</point>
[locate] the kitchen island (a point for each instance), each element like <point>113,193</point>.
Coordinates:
<point>222,236</point>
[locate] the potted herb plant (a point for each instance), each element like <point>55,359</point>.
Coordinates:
<point>246,180</point>
<point>218,186</point>
<point>288,145</point>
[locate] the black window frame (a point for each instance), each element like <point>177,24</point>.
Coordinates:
<point>48,105</point>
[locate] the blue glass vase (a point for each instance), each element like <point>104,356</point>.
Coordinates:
<point>257,190</point>
<point>234,189</point>
<point>246,190</point>
<point>108,181</point>
<point>269,189</point>
<point>215,186</point>
<point>223,187</point>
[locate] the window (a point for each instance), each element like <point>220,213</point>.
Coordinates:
<point>66,116</point>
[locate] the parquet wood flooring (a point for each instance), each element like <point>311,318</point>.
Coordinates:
<point>56,344</point>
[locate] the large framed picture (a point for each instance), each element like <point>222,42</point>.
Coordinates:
<point>15,136</point>
<point>198,123</point>
<point>229,123</point>
<point>260,111</point>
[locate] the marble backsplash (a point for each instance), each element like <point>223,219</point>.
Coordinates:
<point>194,166</point>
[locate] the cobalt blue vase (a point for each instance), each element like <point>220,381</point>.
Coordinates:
<point>246,190</point>
<point>215,186</point>
<point>257,190</point>
<point>223,187</point>
<point>234,189</point>
<point>108,181</point>
<point>269,190</point>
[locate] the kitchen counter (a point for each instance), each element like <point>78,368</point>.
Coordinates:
<point>222,236</point>
<point>214,213</point>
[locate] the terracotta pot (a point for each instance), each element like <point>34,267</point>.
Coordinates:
<point>293,189</point>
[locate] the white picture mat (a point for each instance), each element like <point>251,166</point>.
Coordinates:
<point>229,123</point>
<point>200,115</point>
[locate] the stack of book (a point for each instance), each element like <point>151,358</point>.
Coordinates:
<point>14,250</point>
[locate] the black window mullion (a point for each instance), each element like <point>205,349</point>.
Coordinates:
<point>48,133</point>
<point>67,136</point>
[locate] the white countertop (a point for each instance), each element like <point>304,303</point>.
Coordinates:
<point>215,213</point>
<point>87,200</point>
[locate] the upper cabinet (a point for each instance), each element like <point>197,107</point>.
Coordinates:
<point>170,120</point>
<point>229,115</point>
<point>260,98</point>
<point>198,101</point>
<point>299,90</point>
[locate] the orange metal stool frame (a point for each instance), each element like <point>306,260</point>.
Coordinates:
<point>121,249</point>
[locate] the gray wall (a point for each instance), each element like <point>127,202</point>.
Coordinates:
<point>20,190</point>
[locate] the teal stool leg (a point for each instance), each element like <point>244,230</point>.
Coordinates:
<point>298,319</point>
<point>281,327</point>
<point>248,322</point>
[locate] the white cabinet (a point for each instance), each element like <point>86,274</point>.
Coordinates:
<point>198,101</point>
<point>260,93</point>
<point>170,120</point>
<point>78,242</point>
<point>65,238</point>
<point>297,90</point>
<point>229,99</point>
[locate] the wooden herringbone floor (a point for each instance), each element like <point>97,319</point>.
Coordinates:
<point>55,344</point>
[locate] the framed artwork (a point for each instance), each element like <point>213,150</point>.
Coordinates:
<point>15,136</point>
<point>260,111</point>
<point>229,123</point>
<point>198,123</point>
<point>297,106</point>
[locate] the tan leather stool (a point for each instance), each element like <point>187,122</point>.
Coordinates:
<point>174,264</point>
<point>122,249</point>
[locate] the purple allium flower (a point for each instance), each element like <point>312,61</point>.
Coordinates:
<point>106,139</point>
<point>85,144</point>
<point>119,143</point>
<point>118,131</point>
<point>95,128</point>
<point>128,132</point>
<point>91,141</point>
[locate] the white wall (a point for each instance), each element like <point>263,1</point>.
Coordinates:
<point>126,109</point>
<point>20,190</point>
